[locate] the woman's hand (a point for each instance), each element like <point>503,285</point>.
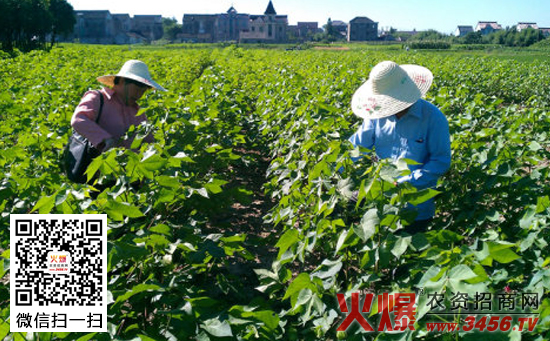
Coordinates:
<point>106,144</point>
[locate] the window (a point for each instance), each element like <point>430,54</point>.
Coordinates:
<point>270,30</point>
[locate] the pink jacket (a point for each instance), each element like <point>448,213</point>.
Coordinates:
<point>115,118</point>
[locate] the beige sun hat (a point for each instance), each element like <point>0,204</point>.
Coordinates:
<point>135,70</point>
<point>390,89</point>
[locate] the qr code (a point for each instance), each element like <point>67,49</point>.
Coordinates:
<point>58,272</point>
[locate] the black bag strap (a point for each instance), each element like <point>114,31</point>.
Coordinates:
<point>100,105</point>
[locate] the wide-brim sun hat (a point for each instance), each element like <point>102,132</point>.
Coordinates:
<point>135,70</point>
<point>390,89</point>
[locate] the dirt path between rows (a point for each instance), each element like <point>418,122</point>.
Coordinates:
<point>248,217</point>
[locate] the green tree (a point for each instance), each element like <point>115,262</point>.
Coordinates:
<point>429,35</point>
<point>25,24</point>
<point>171,28</point>
<point>330,33</point>
<point>8,23</point>
<point>36,24</point>
<point>62,18</point>
<point>473,38</point>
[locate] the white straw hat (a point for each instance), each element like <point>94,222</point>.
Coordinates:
<point>390,89</point>
<point>135,70</point>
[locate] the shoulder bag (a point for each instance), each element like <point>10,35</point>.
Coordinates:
<point>79,153</point>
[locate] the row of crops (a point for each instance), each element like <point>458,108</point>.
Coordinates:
<point>186,260</point>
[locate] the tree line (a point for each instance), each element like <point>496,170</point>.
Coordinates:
<point>29,24</point>
<point>508,37</point>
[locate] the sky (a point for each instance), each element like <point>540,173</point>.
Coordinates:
<point>442,15</point>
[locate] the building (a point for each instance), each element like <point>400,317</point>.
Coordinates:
<point>362,29</point>
<point>303,31</point>
<point>230,25</point>
<point>487,27</point>
<point>148,26</point>
<point>210,28</point>
<point>525,25</point>
<point>461,31</point>
<point>199,28</point>
<point>122,25</point>
<point>266,28</point>
<point>102,27</point>
<point>307,29</point>
<point>93,27</point>
<point>234,26</point>
<point>545,31</point>
<point>340,27</point>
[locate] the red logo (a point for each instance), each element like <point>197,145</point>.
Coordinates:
<point>402,306</point>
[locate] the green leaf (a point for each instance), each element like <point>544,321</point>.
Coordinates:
<point>543,203</point>
<point>409,162</point>
<point>45,336</point>
<point>301,282</point>
<point>217,328</point>
<point>126,250</point>
<point>138,289</point>
<point>401,246</point>
<point>431,276</point>
<point>145,338</point>
<point>157,241</point>
<point>467,288</point>
<point>502,253</point>
<point>268,317</point>
<point>181,156</point>
<point>461,272</point>
<point>367,227</point>
<point>457,277</point>
<point>341,240</point>
<point>214,186</point>
<point>535,146</point>
<point>289,238</point>
<point>93,167</point>
<point>304,296</point>
<point>45,204</point>
<point>528,217</point>
<point>420,196</point>
<point>119,210</point>
<point>2,270</point>
<point>202,191</point>
<point>483,256</point>
<point>150,164</point>
<point>168,181</point>
<point>328,269</point>
<point>4,329</point>
<point>162,229</point>
<point>86,337</point>
<point>527,242</point>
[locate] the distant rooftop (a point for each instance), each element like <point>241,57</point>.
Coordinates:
<point>362,20</point>
<point>270,10</point>
<point>492,24</point>
<point>339,23</point>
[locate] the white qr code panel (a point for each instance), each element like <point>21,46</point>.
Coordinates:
<point>58,273</point>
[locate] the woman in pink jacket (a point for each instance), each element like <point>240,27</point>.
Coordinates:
<point>119,108</point>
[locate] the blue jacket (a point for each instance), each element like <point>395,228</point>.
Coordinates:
<point>422,135</point>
